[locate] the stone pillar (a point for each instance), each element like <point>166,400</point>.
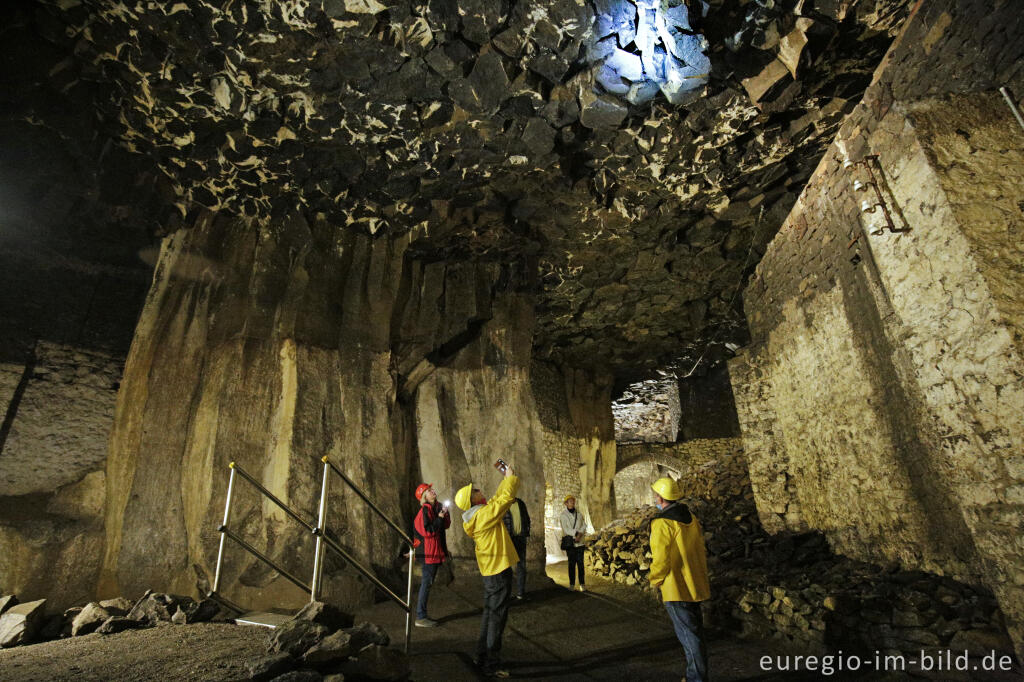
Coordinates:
<point>262,345</point>
<point>271,346</point>
<point>589,397</point>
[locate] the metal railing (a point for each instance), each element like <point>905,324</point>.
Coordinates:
<point>322,541</point>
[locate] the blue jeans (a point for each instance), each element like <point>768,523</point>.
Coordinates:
<point>689,625</point>
<point>429,572</point>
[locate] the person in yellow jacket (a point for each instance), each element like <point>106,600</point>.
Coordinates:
<point>495,556</point>
<point>679,568</point>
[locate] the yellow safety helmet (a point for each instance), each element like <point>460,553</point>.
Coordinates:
<point>667,488</point>
<point>464,496</point>
<point>567,498</point>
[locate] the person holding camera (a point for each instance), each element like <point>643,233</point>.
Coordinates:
<point>574,527</point>
<point>429,527</point>
<point>495,557</point>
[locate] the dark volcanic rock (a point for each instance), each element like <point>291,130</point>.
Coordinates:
<point>325,614</point>
<point>296,636</point>
<point>368,633</point>
<point>363,116</point>
<point>299,676</point>
<point>119,606</point>
<point>269,667</point>
<point>116,624</point>
<point>334,648</point>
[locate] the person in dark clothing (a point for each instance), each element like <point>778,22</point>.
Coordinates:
<point>517,522</point>
<point>429,528</point>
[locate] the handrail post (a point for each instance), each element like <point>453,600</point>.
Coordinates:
<point>223,527</point>
<point>318,556</point>
<point>408,602</point>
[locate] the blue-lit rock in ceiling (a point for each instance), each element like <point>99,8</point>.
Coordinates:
<point>643,47</point>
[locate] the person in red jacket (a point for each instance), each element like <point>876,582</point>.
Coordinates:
<point>432,520</point>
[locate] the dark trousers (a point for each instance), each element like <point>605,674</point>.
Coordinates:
<point>429,573</point>
<point>689,625</point>
<point>575,565</point>
<point>520,544</point>
<point>497,594</point>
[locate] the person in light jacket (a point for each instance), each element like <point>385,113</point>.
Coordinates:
<point>574,525</point>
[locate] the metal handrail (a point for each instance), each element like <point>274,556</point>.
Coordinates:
<point>359,491</point>
<point>323,541</point>
<point>226,532</point>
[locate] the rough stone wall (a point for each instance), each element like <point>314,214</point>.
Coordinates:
<point>881,400</point>
<point>575,419</point>
<point>590,408</point>
<point>59,408</point>
<point>640,464</point>
<point>633,485</point>
<point>648,411</point>
<point>707,408</point>
<point>480,408</point>
<point>272,347</point>
<point>61,358</point>
<point>561,448</point>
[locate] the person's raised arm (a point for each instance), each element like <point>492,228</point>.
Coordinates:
<point>496,507</point>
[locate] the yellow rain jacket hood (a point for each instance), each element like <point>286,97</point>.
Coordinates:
<point>679,564</point>
<point>494,549</point>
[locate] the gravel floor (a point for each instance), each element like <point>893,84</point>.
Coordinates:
<point>205,651</point>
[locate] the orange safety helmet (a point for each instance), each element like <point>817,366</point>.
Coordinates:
<point>422,488</point>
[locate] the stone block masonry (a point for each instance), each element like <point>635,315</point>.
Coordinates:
<point>881,400</point>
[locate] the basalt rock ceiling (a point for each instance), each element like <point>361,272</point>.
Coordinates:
<point>639,154</point>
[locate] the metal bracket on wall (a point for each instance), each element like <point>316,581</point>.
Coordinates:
<point>870,162</point>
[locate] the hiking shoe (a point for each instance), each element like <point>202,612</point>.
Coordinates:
<point>583,588</point>
<point>426,623</point>
<point>520,597</point>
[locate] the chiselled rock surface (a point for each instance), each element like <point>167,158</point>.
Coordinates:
<point>632,146</point>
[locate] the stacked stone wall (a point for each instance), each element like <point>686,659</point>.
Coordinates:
<point>881,399</point>
<point>791,586</point>
<point>639,464</point>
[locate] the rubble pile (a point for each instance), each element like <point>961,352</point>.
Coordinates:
<point>319,642</point>
<point>792,586</point>
<point>29,622</point>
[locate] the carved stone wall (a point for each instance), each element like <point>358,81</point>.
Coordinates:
<point>881,400</point>
<point>273,347</point>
